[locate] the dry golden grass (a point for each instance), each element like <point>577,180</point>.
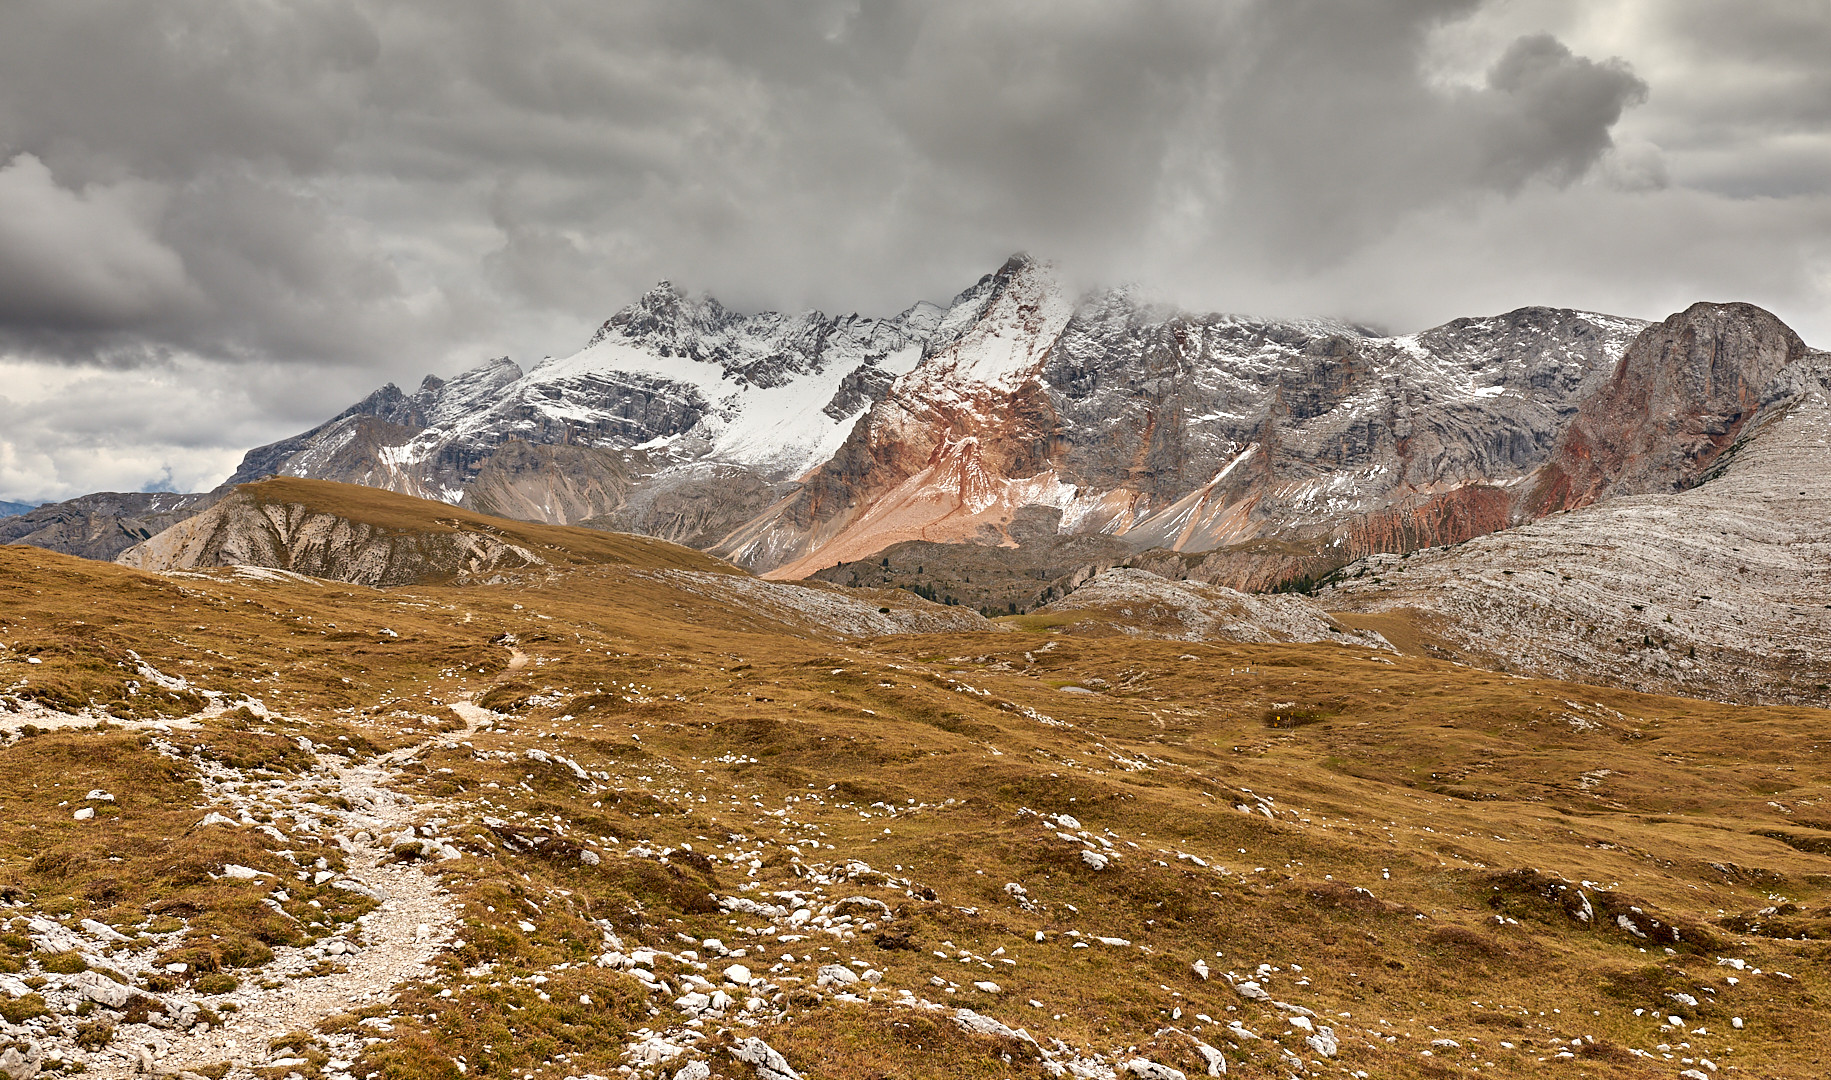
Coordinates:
<point>1429,824</point>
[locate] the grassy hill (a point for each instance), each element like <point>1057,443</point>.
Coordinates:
<point>574,777</point>
<point>374,537</point>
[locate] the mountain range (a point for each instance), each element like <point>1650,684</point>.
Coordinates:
<point>1002,449</point>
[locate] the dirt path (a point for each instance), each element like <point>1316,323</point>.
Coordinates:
<point>396,942</point>
<point>356,803</point>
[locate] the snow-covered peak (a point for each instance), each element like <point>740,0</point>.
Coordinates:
<point>994,335</point>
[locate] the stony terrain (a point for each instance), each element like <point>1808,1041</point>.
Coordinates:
<point>1722,591</point>
<point>1138,602</point>
<point>636,818</point>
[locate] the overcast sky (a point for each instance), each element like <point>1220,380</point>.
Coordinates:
<point>223,220</point>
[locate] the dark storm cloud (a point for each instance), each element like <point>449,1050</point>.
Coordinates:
<point>300,200</point>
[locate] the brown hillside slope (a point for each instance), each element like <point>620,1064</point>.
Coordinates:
<point>1443,869</point>
<point>370,536</point>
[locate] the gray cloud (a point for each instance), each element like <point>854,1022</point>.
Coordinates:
<point>296,202</point>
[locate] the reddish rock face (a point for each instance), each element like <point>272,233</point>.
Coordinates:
<point>1679,397</point>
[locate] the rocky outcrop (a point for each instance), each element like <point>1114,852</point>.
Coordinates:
<point>369,537</point>
<point>244,530</point>
<point>792,444</point>
<point>1718,591</point>
<point>1138,603</point>
<point>1250,453</point>
<point>1678,398</point>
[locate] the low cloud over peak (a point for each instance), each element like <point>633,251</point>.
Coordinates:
<point>306,201</point>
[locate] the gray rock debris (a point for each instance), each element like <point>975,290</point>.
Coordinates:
<point>1324,1042</point>
<point>1151,1070</point>
<point>22,1064</point>
<point>760,1056</point>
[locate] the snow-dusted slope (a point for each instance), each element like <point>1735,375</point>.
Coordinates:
<point>671,391</point>
<point>793,442</point>
<point>1193,432</point>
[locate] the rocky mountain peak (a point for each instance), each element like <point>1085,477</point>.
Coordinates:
<point>663,316</point>
<point>1678,398</point>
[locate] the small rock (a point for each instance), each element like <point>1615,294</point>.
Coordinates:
<point>242,873</point>
<point>693,1070</point>
<point>214,818</point>
<point>85,813</point>
<point>987,987</point>
<point>98,795</point>
<point>1151,1070</point>
<point>835,975</point>
<point>1251,991</point>
<point>1200,967</point>
<point>737,975</point>
<point>103,930</point>
<point>1094,859</point>
<point>1217,1064</point>
<point>1323,1042</point>
<point>760,1056</point>
<point>100,989</point>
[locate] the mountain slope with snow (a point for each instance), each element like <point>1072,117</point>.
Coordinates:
<point>1241,451</point>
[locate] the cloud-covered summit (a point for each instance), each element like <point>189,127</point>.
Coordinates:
<point>275,205</point>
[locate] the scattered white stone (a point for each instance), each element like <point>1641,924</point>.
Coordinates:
<point>1094,859</point>
<point>760,1056</point>
<point>85,813</point>
<point>100,989</point>
<point>242,873</point>
<point>835,975</point>
<point>214,818</point>
<point>737,975</point>
<point>693,1070</point>
<point>1251,991</point>
<point>987,987</point>
<point>1151,1070</point>
<point>1200,967</point>
<point>98,795</point>
<point>1323,1042</point>
<point>1217,1064</point>
<point>103,930</point>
